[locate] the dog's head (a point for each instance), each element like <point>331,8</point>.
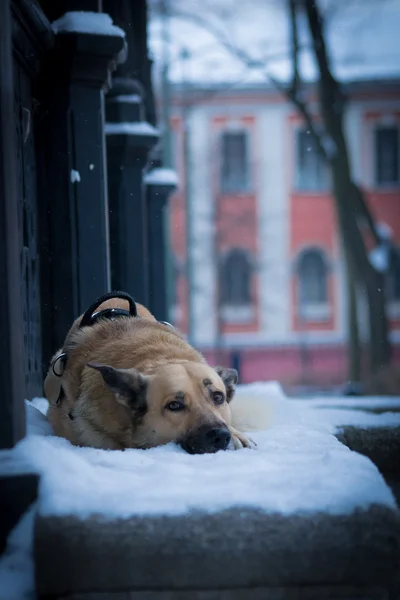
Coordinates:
<point>187,403</point>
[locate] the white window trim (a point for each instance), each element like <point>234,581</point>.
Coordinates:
<point>306,190</point>
<point>238,315</point>
<point>318,312</point>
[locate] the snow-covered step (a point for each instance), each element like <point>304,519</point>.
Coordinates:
<point>301,517</point>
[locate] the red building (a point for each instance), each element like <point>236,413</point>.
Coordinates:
<point>267,268</point>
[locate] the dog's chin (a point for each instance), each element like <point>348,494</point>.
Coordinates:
<point>192,449</point>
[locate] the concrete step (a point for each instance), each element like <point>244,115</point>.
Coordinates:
<point>235,552</point>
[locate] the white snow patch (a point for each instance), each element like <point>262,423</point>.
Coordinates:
<point>75,176</point>
<point>129,98</point>
<point>360,402</point>
<point>379,258</point>
<point>37,423</point>
<point>385,231</point>
<point>16,564</point>
<point>138,128</point>
<point>298,466</point>
<point>161,177</point>
<point>272,408</point>
<point>87,22</point>
<point>329,146</point>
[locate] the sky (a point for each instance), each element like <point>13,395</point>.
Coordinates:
<point>362,39</point>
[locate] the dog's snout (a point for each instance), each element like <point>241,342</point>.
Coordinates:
<point>219,438</point>
<point>207,440</point>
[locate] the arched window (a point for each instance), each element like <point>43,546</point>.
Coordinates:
<point>393,276</point>
<point>312,276</point>
<point>235,279</point>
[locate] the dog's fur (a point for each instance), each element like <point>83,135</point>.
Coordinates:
<point>136,383</point>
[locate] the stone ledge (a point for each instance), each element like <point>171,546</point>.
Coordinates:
<point>231,550</point>
<point>305,593</point>
<point>379,444</point>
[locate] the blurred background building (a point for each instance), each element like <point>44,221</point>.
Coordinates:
<point>257,272</point>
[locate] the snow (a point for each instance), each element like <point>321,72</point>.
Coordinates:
<point>75,176</point>
<point>385,231</point>
<point>161,177</point>
<point>298,466</point>
<point>87,22</point>
<point>16,564</point>
<point>328,413</point>
<point>329,146</point>
<point>379,258</point>
<point>129,98</point>
<point>360,402</point>
<point>139,128</point>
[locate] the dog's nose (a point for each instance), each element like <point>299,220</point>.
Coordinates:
<point>206,440</point>
<point>218,438</point>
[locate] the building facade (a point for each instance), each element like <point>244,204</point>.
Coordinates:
<point>267,270</point>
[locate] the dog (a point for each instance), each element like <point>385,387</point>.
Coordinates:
<point>124,380</point>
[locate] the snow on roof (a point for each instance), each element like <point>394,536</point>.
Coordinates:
<point>87,22</point>
<point>138,128</point>
<point>128,98</point>
<point>161,176</point>
<point>261,30</point>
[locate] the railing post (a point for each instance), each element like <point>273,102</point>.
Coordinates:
<point>129,140</point>
<point>18,489</point>
<point>73,182</point>
<point>12,411</point>
<point>160,182</point>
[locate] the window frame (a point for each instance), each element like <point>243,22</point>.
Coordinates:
<point>312,310</point>
<point>233,311</point>
<point>299,185</point>
<point>393,302</point>
<point>225,186</point>
<point>379,126</point>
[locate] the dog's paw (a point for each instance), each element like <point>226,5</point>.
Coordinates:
<point>240,441</point>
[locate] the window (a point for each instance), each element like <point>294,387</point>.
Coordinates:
<point>236,279</point>
<point>393,277</point>
<point>311,168</point>
<point>235,167</point>
<point>312,276</point>
<point>387,155</point>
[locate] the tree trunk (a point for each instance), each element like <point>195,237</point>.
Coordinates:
<point>360,266</point>
<point>353,334</point>
<point>348,197</point>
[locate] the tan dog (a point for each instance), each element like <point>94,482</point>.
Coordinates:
<point>133,382</point>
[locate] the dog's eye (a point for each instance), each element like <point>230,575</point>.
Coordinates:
<point>218,397</point>
<point>175,406</point>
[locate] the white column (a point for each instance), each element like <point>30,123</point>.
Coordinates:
<point>273,171</point>
<point>204,267</point>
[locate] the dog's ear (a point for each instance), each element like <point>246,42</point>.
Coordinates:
<point>129,386</point>
<point>230,378</point>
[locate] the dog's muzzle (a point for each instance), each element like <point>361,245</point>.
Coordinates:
<point>206,440</point>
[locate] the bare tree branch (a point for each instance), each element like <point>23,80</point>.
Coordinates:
<point>331,94</point>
